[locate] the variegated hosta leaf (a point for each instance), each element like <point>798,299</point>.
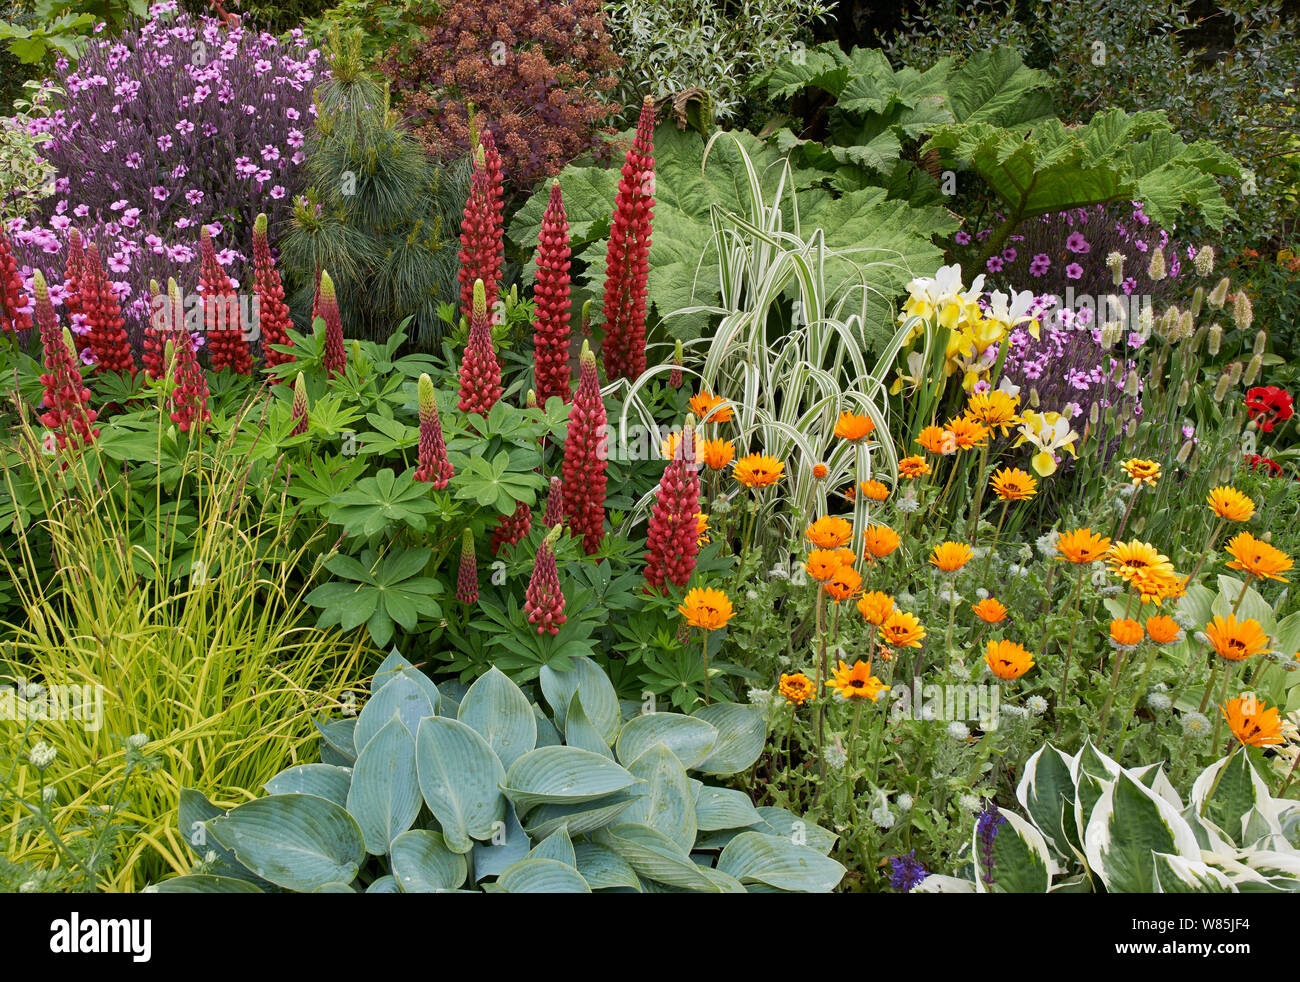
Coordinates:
<point>1018,862</point>
<point>1046,792</point>
<point>1238,793</point>
<point>1178,874</point>
<point>1129,823</point>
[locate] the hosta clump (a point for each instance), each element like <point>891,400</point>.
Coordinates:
<point>422,792</point>
<point>1093,825</point>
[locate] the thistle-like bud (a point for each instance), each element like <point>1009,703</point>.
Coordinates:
<point>1253,368</point>
<point>1215,339</point>
<point>1221,389</point>
<point>467,578</point>
<point>1115,262</point>
<point>1204,261</point>
<point>1131,383</point>
<point>299,416</point>
<point>1198,338</point>
<point>1110,333</point>
<point>1033,397</point>
<point>1146,321</point>
<point>1184,391</point>
<point>1184,452</point>
<point>1198,300</point>
<point>1156,269</point>
<point>1234,373</point>
<point>1219,294</point>
<point>1243,314</point>
<point>1094,413</point>
<point>1185,323</point>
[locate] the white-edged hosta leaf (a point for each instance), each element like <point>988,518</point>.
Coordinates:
<point>1045,791</point>
<point>296,841</point>
<point>1020,860</point>
<point>666,802</point>
<point>741,736</point>
<point>502,715</point>
<point>752,857</point>
<point>385,793</point>
<point>1178,874</point>
<point>422,863</point>
<point>689,737</point>
<point>534,875</point>
<point>323,780</point>
<point>562,775</point>
<point>1238,792</point>
<point>460,779</point>
<point>1129,824</point>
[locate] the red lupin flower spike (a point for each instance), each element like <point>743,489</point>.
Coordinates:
<point>544,600</point>
<point>585,457</point>
<point>12,296</point>
<point>627,256</point>
<point>67,414</point>
<point>674,538</point>
<point>299,413</point>
<point>273,319</point>
<point>467,579</point>
<point>433,465</point>
<point>481,237</point>
<point>554,513</point>
<point>551,302</point>
<point>72,275</point>
<point>675,376</point>
<point>190,396</point>
<point>480,375</point>
<point>511,528</point>
<point>227,347</point>
<point>333,354</point>
<point>106,335</point>
<point>156,333</point>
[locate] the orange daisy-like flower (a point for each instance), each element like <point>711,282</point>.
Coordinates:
<point>1237,640</point>
<point>1163,630</point>
<point>880,540</point>
<point>845,584</point>
<point>706,609</point>
<point>856,682</point>
<point>846,556</point>
<point>1081,546</point>
<point>995,409</point>
<point>672,445</point>
<point>1125,632</point>
<point>1253,722</point>
<point>990,611</point>
<point>968,432</point>
<point>829,532</point>
<point>950,556</point>
<point>1156,584</point>
<point>702,523</point>
<point>820,471</point>
<point>822,564</point>
<point>797,688</point>
<point>1128,559</point>
<point>1013,484</point>
<point>1231,504</point>
<point>1141,471</point>
<point>1258,558</point>
<point>932,438</point>
<point>853,427</point>
<point>1008,660</point>
<point>759,471</point>
<point>902,630</point>
<point>912,467</point>
<point>875,607</point>
<point>717,454</point>
<point>874,490</point>
<point>704,403</point>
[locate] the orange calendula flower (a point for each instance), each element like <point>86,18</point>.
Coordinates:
<point>1013,484</point>
<point>1128,559</point>
<point>854,427</point>
<point>1253,722</point>
<point>829,532</point>
<point>1236,640</point>
<point>846,556</point>
<point>875,607</point>
<point>717,454</point>
<point>856,682</point>
<point>820,471</point>
<point>1125,632</point>
<point>845,584</point>
<point>932,439</point>
<point>759,471</point>
<point>1162,629</point>
<point>1081,546</point>
<point>1156,584</point>
<point>822,564</point>
<point>706,608</point>
<point>880,540</point>
<point>912,467</point>
<point>874,490</point>
<point>704,403</point>
<point>990,610</point>
<point>994,409</point>
<point>702,521</point>
<point>968,432</point>
<point>950,556</point>
<point>1258,558</point>
<point>1141,471</point>
<point>671,444</point>
<point>1231,504</point>
<point>902,630</point>
<point>797,688</point>
<point>1008,660</point>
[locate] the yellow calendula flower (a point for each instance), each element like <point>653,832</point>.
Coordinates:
<point>967,432</point>
<point>1231,504</point>
<point>717,454</point>
<point>1258,558</point>
<point>875,607</point>
<point>853,427</point>
<point>950,556</point>
<point>1253,722</point>
<point>990,611</point>
<point>797,688</point>
<point>1236,640</point>
<point>912,467</point>
<point>996,410</point>
<point>880,540</point>
<point>829,532</point>
<point>759,471</point>
<point>1008,660</point>
<point>1013,484</point>
<point>704,403</point>
<point>1141,471</point>
<point>1082,546</point>
<point>1128,559</point>
<point>856,682</point>
<point>706,609</point>
<point>937,440</point>
<point>902,630</point>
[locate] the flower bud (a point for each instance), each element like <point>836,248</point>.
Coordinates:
<point>1131,383</point>
<point>1215,339</point>
<point>1221,389</point>
<point>1033,397</point>
<point>1094,413</point>
<point>1234,372</point>
<point>1184,452</point>
<point>1253,368</point>
<point>1243,314</point>
<point>1185,324</point>
<point>1219,294</point>
<point>1204,261</point>
<point>1156,269</point>
<point>1198,300</point>
<point>1184,391</point>
<point>1115,261</point>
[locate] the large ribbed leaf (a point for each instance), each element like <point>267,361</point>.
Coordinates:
<point>752,857</point>
<point>397,666</point>
<point>323,780</point>
<point>502,715</point>
<point>741,737</point>
<point>1127,827</point>
<point>1046,790</point>
<point>557,846</point>
<point>385,793</point>
<point>580,818</point>
<point>787,825</point>
<point>202,883</point>
<point>460,779</point>
<point>422,863</point>
<point>580,732</point>
<point>656,857</point>
<point>508,845</point>
<point>599,700</point>
<point>403,696</point>
<point>604,869</point>
<point>723,808</point>
<point>563,775</point>
<point>689,737</point>
<point>666,802</point>
<point>542,876</point>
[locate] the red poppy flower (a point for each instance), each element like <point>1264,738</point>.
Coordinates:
<point>1268,463</point>
<point>1270,405</point>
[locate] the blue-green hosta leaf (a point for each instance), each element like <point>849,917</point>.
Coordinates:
<point>385,884</point>
<point>604,869</point>
<point>322,780</point>
<point>741,737</point>
<point>689,737</point>
<point>385,793</point>
<point>656,857</point>
<point>800,831</point>
<point>402,696</point>
<point>397,666</point>
<point>1129,824</point>
<point>542,876</point>
<point>340,736</point>
<point>192,812</point>
<point>1239,791</point>
<point>508,845</point>
<point>1021,862</point>
<point>1046,791</point>
<point>1178,874</point>
<point>599,700</point>
<point>580,818</point>
<point>202,883</point>
<point>502,715</point>
<point>460,778</point>
<point>296,841</point>
<point>752,857</point>
<point>724,808</point>
<point>580,732</point>
<point>563,775</point>
<point>336,887</point>
<point>422,863</point>
<point>547,734</point>
<point>666,801</point>
<point>557,846</point>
